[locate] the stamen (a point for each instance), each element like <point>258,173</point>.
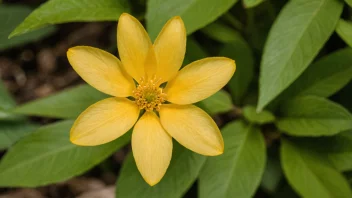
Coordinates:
<point>148,95</point>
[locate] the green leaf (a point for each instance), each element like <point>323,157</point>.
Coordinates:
<point>195,13</point>
<point>240,51</point>
<point>11,132</point>
<point>251,3</point>
<point>66,104</point>
<point>220,102</point>
<point>258,27</point>
<point>342,159</point>
<point>300,31</point>
<point>340,150</point>
<point>263,117</point>
<point>182,172</point>
<point>310,174</point>
<point>47,156</point>
<point>10,17</point>
<point>238,171</point>
<point>337,148</point>
<point>272,174</point>
<point>344,30</point>
<point>6,101</point>
<point>63,11</point>
<point>5,115</point>
<point>349,2</point>
<point>313,116</point>
<point>323,78</point>
<point>221,33</point>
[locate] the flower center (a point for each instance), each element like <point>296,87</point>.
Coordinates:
<point>148,95</point>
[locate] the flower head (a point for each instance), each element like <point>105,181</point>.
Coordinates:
<point>167,110</point>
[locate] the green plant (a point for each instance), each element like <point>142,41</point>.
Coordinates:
<point>284,116</point>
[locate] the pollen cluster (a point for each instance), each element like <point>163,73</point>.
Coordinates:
<point>148,95</point>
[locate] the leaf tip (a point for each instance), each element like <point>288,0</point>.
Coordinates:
<point>13,34</point>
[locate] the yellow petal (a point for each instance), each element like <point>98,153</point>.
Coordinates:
<point>101,70</point>
<point>104,121</point>
<point>150,64</point>
<point>170,48</point>
<point>193,128</point>
<point>152,148</point>
<point>200,80</point>
<point>133,44</point>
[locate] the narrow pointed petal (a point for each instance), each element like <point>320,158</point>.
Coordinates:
<point>150,65</point>
<point>133,44</point>
<point>193,128</point>
<point>104,121</point>
<point>200,80</point>
<point>152,148</point>
<point>170,48</point>
<point>101,70</point>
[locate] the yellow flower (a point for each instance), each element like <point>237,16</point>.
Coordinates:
<point>167,109</point>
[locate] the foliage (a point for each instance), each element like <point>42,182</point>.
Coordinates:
<point>10,17</point>
<point>285,116</point>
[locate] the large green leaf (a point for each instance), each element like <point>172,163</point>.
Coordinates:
<point>299,32</point>
<point>10,17</point>
<point>313,116</point>
<point>251,3</point>
<point>238,171</point>
<point>47,156</point>
<point>344,30</point>
<point>253,116</point>
<point>195,13</point>
<point>242,54</point>
<point>323,78</point>
<point>182,172</point>
<point>310,174</point>
<point>338,148</point>
<point>10,132</point>
<point>63,11</point>
<point>66,104</point>
<point>220,102</point>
